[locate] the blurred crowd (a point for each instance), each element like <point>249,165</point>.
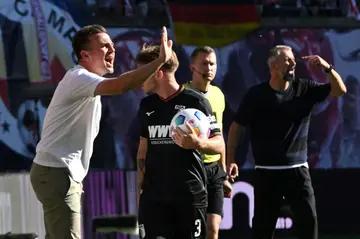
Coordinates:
<point>140,9</point>
<point>155,12</point>
<point>303,3</point>
<point>326,8</point>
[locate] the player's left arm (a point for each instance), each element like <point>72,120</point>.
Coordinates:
<point>335,88</point>
<point>215,143</point>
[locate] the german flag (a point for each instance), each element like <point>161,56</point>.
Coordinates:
<point>216,25</point>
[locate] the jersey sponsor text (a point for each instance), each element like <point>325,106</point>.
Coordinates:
<point>160,134</point>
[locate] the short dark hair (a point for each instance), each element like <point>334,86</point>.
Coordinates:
<point>202,49</point>
<point>150,53</point>
<point>82,38</point>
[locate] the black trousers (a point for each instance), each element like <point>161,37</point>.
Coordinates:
<point>270,187</point>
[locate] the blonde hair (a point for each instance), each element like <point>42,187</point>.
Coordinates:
<point>150,53</point>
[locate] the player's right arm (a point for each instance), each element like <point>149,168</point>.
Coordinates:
<point>143,147</point>
<point>243,117</point>
<point>141,156</point>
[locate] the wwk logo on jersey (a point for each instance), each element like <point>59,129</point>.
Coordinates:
<point>160,134</point>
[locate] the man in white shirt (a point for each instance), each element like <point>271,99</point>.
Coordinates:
<point>72,123</point>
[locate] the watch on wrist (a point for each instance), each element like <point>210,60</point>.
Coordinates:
<point>329,69</point>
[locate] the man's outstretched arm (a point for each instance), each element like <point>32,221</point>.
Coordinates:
<point>135,78</point>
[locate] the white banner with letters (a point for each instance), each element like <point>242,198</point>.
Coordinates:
<point>20,211</point>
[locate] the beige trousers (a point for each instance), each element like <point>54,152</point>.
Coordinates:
<point>60,197</point>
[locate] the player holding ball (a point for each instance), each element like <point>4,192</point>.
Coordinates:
<point>172,178</point>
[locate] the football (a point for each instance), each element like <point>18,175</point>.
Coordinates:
<point>196,118</point>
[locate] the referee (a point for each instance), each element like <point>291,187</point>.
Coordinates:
<point>277,114</point>
<point>204,69</point>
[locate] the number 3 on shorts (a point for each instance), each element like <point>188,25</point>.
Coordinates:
<point>198,228</point>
